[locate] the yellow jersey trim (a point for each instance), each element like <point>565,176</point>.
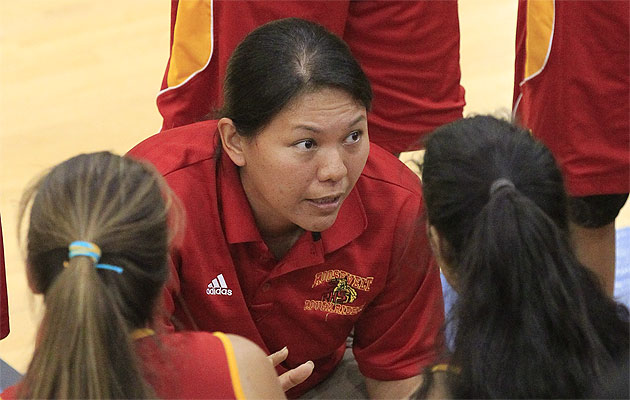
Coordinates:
<point>141,333</point>
<point>192,41</point>
<point>445,368</point>
<point>540,27</point>
<point>229,352</point>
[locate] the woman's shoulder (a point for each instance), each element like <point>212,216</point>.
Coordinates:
<point>385,169</point>
<point>252,375</point>
<point>235,347</point>
<point>192,340</point>
<point>180,365</point>
<point>177,148</point>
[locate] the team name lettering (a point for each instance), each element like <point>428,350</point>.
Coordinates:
<point>329,307</point>
<point>355,281</point>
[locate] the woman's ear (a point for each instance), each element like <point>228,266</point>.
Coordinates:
<point>231,141</point>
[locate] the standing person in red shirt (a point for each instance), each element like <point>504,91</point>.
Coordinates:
<point>408,49</point>
<point>4,304</point>
<point>97,249</point>
<point>571,89</point>
<point>299,229</point>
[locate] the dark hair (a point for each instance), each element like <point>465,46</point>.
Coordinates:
<point>616,384</point>
<point>281,60</point>
<point>84,347</point>
<point>532,322</point>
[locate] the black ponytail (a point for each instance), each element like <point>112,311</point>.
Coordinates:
<point>524,328</point>
<point>532,322</point>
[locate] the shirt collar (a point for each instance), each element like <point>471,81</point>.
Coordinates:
<point>240,225</point>
<point>350,223</point>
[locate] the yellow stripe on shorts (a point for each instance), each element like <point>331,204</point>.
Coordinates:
<point>540,24</point>
<point>192,40</point>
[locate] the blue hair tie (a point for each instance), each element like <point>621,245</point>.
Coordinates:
<point>89,249</point>
<point>110,267</point>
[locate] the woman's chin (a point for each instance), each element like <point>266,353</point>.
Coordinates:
<point>318,224</point>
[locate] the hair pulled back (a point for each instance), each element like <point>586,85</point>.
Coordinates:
<point>281,60</point>
<point>532,322</point>
<point>84,346</point>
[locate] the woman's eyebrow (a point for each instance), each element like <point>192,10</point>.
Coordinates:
<point>316,130</point>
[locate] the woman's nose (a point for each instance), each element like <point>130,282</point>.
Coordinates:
<point>332,166</point>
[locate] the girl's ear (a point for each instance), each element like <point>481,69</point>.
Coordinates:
<point>435,242</point>
<point>231,141</point>
<point>440,248</point>
<point>31,282</point>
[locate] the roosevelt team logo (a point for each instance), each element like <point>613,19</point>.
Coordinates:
<point>218,287</point>
<point>341,292</point>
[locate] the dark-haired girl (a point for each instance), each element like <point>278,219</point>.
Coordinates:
<point>531,320</point>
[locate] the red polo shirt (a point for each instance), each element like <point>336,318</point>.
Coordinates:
<point>372,270</point>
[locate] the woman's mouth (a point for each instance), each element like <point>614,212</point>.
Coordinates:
<point>327,203</point>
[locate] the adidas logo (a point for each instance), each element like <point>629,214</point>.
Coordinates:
<point>218,286</point>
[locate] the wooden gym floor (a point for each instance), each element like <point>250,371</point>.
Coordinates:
<point>80,76</point>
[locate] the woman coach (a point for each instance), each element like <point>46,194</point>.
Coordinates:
<point>298,230</point>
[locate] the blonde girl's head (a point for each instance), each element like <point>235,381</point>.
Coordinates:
<point>119,208</point>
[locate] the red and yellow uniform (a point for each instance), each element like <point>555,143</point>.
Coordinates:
<point>189,365</point>
<point>4,303</point>
<point>572,86</point>
<point>372,270</point>
<point>408,49</point>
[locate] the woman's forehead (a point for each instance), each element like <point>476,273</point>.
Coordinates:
<point>323,102</point>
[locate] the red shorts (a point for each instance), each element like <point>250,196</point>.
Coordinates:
<point>408,49</point>
<point>572,88</point>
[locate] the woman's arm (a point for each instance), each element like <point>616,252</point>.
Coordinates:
<point>257,376</point>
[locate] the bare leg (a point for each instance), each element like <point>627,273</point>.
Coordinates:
<point>595,248</point>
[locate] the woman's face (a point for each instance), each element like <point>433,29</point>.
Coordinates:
<point>300,168</point>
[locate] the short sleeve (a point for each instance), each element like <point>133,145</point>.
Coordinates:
<point>399,332</point>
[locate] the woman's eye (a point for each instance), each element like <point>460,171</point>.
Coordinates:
<point>307,144</point>
<point>353,137</point>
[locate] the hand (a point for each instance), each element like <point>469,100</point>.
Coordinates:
<point>294,376</point>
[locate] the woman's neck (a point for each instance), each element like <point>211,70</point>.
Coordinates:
<point>280,244</point>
